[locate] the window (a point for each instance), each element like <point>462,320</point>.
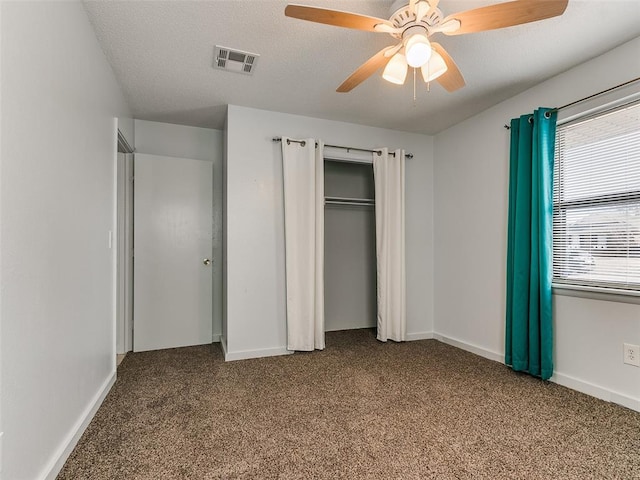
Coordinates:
<point>596,200</point>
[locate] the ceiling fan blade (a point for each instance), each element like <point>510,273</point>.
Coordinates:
<point>422,8</point>
<point>433,4</point>
<point>448,27</point>
<point>365,70</point>
<point>384,28</point>
<point>506,14</point>
<point>335,17</point>
<point>452,79</point>
<point>412,7</point>
<point>391,51</point>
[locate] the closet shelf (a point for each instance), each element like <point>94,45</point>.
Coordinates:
<point>364,202</point>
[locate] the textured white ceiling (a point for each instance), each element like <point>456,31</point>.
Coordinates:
<point>162,52</point>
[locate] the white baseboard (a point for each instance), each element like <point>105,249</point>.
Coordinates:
<point>559,378</point>
<point>51,471</point>
<point>625,401</point>
<point>483,352</point>
<point>216,337</point>
<point>596,391</point>
<point>410,337</point>
<point>272,352</point>
<point>246,354</point>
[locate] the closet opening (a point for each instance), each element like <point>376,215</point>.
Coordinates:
<point>350,246</point>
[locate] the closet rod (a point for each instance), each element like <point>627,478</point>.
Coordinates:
<point>588,98</point>
<point>303,143</point>
<point>347,200</point>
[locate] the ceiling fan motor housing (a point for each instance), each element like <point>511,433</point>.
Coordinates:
<point>402,18</point>
<point>414,30</point>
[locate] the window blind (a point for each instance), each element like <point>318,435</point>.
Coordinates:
<point>596,200</point>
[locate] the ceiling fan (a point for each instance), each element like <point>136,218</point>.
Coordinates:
<point>412,22</point>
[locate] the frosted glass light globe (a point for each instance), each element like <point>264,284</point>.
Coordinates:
<point>396,69</point>
<point>417,50</point>
<point>434,67</point>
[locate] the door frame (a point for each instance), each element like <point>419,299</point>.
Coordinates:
<point>124,247</point>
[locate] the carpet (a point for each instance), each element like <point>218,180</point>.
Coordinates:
<point>360,409</point>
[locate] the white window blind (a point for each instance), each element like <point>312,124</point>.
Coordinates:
<point>596,200</point>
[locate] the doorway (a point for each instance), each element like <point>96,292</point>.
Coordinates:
<point>350,246</point>
<point>165,203</point>
<point>124,248</point>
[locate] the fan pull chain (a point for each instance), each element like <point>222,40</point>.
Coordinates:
<point>414,87</point>
<point>428,76</point>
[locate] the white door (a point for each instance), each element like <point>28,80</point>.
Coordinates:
<point>172,252</point>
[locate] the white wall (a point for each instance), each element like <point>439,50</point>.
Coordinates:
<point>471,198</point>
<point>59,107</point>
<point>225,141</point>
<point>165,139</point>
<point>169,140</point>
<point>126,128</point>
<point>255,282</point>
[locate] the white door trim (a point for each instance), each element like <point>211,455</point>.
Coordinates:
<point>124,253</point>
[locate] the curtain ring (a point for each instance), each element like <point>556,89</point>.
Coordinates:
<point>288,142</point>
<point>303,143</point>
<point>547,114</point>
<point>379,153</point>
<point>530,119</point>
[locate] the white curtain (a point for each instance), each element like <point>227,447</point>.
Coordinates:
<point>388,171</point>
<point>303,170</point>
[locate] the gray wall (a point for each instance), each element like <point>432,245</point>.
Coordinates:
<point>254,228</point>
<point>350,249</point>
<point>472,195</point>
<point>60,102</point>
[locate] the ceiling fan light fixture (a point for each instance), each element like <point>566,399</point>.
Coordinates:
<point>435,67</point>
<point>396,69</point>
<point>418,50</point>
<point>414,21</point>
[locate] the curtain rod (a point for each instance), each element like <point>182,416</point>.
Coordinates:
<point>557,109</point>
<point>302,142</point>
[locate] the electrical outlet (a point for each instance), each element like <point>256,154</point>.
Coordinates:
<point>632,354</point>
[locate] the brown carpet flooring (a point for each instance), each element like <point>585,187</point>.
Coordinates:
<point>358,410</point>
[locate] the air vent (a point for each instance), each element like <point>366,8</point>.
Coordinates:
<point>235,60</point>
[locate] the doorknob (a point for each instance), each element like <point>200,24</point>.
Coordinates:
<point>206,261</point>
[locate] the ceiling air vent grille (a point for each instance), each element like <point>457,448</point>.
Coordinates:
<point>235,60</point>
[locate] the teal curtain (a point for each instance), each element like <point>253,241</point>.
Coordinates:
<point>529,328</point>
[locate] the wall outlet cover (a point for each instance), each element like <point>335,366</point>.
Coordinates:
<point>632,354</point>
